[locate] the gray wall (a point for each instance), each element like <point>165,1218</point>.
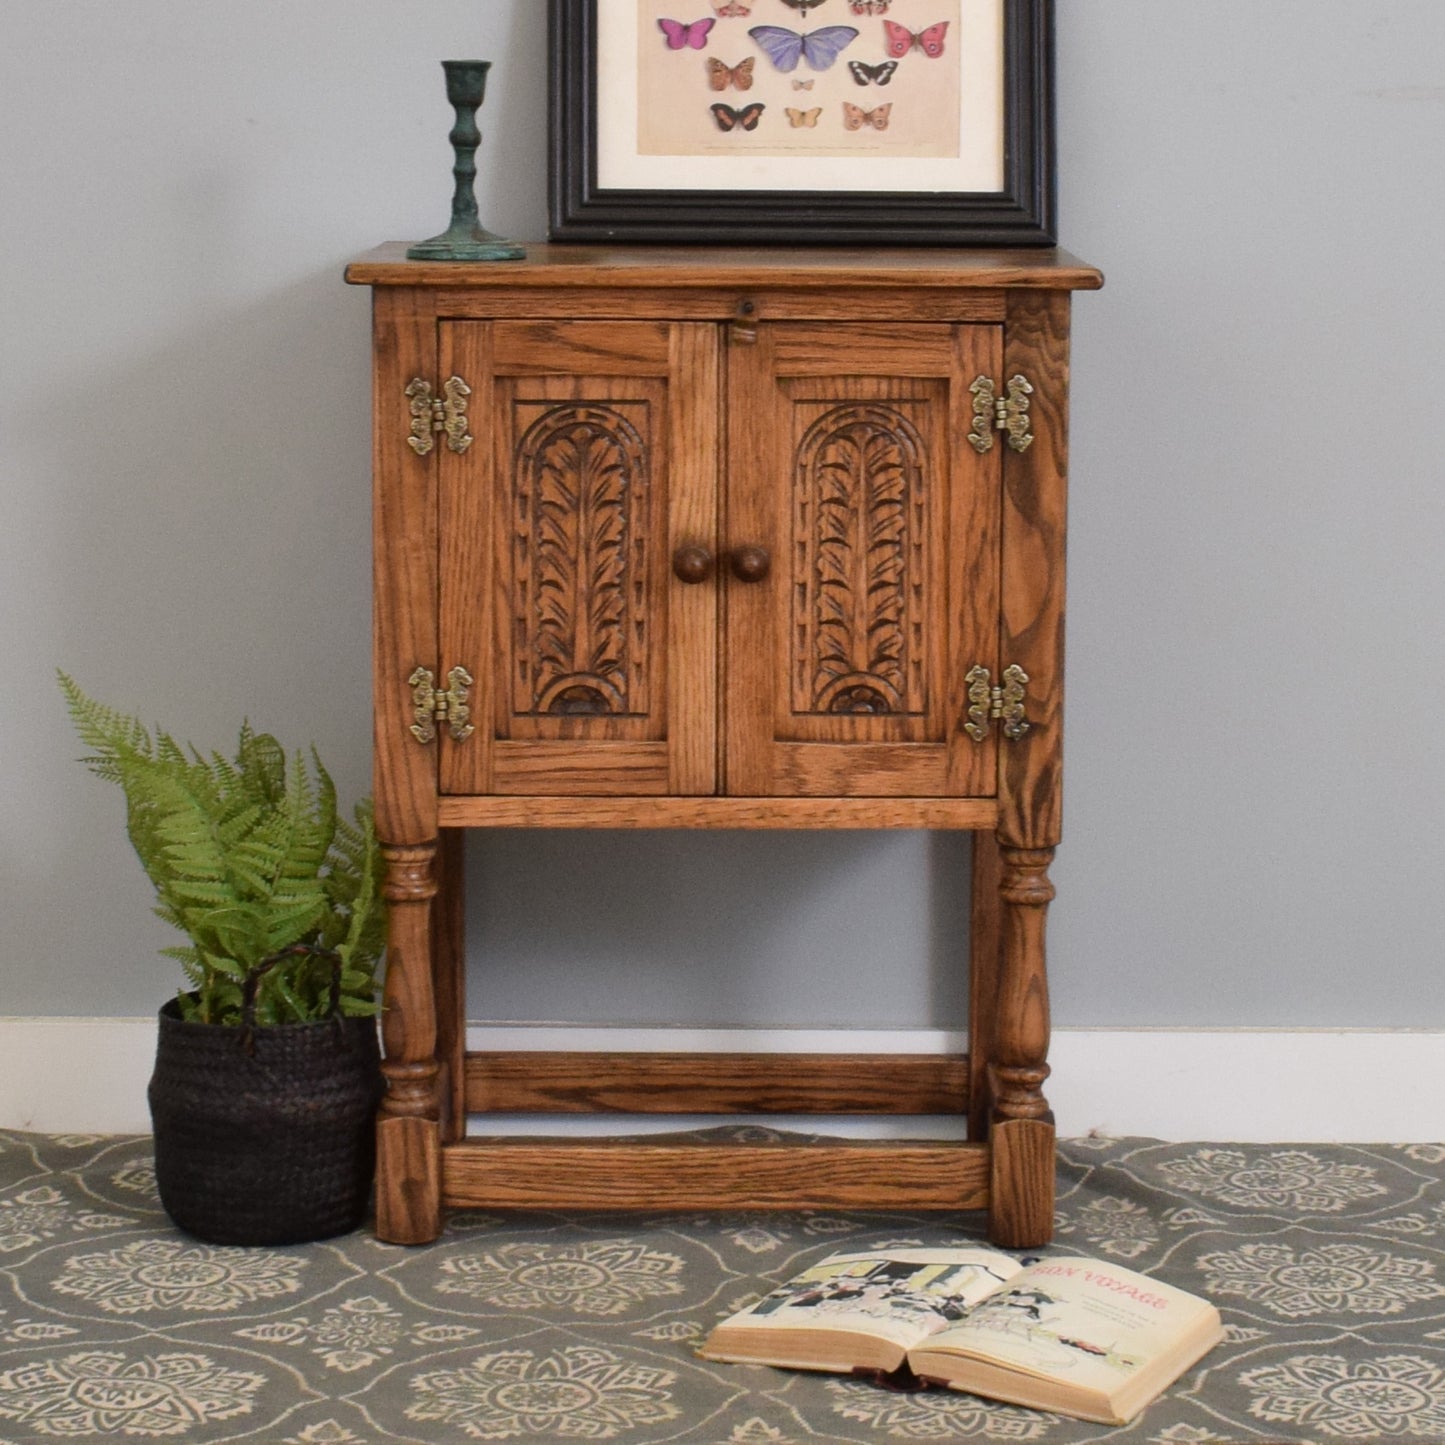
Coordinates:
<point>1255,777</point>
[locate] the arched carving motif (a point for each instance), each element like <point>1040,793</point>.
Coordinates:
<point>859,537</point>
<point>580,564</point>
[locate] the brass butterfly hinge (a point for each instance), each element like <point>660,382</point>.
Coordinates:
<point>987,703</point>
<point>431,706</point>
<point>1007,413</point>
<point>430,414</point>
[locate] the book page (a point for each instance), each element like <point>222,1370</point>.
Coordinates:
<point>1091,1325</point>
<point>902,1296</point>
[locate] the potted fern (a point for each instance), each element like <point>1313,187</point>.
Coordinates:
<point>267,1069</point>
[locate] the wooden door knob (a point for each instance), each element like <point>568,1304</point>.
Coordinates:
<point>692,564</point>
<point>751,563</point>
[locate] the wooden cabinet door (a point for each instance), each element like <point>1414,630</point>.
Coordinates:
<point>595,458</point>
<point>848,462</point>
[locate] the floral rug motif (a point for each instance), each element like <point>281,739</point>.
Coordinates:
<point>1327,1261</point>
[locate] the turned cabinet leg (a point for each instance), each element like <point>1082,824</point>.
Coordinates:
<point>449,981</point>
<point>408,1131</point>
<point>1021,1133</point>
<point>985,949</point>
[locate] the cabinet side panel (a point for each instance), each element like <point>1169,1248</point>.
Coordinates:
<point>1034,509</point>
<point>404,630</point>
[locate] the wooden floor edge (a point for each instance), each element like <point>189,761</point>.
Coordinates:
<point>640,1174</point>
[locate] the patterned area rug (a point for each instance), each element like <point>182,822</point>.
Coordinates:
<point>1326,1262</point>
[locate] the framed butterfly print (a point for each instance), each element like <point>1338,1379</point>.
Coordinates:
<point>863,122</point>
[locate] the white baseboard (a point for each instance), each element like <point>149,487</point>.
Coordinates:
<point>88,1075</point>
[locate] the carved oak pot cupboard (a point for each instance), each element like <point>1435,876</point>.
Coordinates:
<point>719,539</point>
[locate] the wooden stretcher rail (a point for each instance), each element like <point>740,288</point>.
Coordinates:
<point>693,1083</point>
<point>633,1174</point>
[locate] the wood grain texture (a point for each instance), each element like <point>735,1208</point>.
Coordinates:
<point>565,348</point>
<point>1021,1183</point>
<point>984,961</point>
<point>972,570</point>
<point>449,969</point>
<point>715,303</point>
<point>717,812</point>
<point>1021,1136</point>
<point>756,476</point>
<point>404,567</point>
<point>658,267</point>
<point>667,1083</point>
<point>862,348</point>
<point>1021,1027</point>
<point>691,612</point>
<point>1034,515</point>
<point>408,1180</point>
<point>409,997</point>
<point>545,766</point>
<point>469,504</point>
<point>615,1174</point>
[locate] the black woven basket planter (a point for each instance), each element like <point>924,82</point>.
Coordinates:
<point>269,1145</point>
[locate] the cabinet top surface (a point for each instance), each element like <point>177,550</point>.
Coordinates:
<point>681,266</point>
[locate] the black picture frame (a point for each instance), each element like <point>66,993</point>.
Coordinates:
<point>1022,213</point>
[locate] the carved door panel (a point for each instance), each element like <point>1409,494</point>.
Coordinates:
<point>849,465</point>
<point>595,459</point>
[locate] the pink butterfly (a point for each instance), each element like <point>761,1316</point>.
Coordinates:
<point>679,33</point>
<point>732,7</point>
<point>901,40</point>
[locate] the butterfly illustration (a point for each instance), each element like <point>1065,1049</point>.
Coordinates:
<point>901,40</point>
<point>855,118</point>
<point>739,76</point>
<point>803,6</point>
<point>878,74</point>
<point>680,33</point>
<point>820,48</point>
<point>729,119</point>
<point>731,7</point>
<point>808,118</point>
<point>802,85</point>
<point>869,7</point>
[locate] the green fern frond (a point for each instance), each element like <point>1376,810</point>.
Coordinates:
<point>249,858</point>
<point>112,734</point>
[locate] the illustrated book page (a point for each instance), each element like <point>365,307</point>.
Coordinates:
<point>865,1310</point>
<point>1074,1335</point>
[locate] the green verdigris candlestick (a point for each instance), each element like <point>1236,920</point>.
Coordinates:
<point>466,239</point>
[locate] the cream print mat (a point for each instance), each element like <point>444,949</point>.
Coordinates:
<point>1326,1262</point>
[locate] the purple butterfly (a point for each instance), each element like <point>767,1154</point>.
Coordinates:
<point>680,34</point>
<point>820,48</point>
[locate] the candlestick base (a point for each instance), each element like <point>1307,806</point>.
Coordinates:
<point>471,243</point>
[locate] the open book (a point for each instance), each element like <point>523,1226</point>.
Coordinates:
<point>1066,1334</point>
